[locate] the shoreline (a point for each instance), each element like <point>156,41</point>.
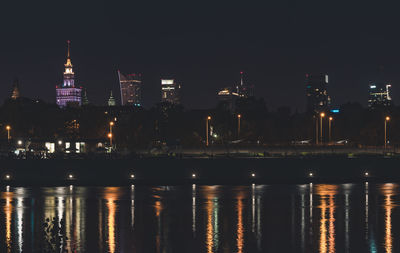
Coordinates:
<point>217,170</point>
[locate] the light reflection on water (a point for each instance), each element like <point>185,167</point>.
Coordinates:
<point>195,218</point>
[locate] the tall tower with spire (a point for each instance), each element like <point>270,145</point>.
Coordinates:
<point>15,90</point>
<point>67,92</point>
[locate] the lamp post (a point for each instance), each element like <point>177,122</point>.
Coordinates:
<point>110,134</point>
<point>386,121</point>
<point>316,130</point>
<point>330,129</point>
<point>207,121</point>
<point>322,115</point>
<point>239,117</point>
<point>8,128</point>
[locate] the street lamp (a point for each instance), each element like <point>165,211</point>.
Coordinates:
<point>110,134</point>
<point>330,131</point>
<point>239,117</point>
<point>8,128</point>
<point>322,115</point>
<point>207,122</point>
<point>386,121</point>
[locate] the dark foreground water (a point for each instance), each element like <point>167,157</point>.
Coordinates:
<point>251,218</point>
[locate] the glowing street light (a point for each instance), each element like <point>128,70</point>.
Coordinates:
<point>110,134</point>
<point>8,128</point>
<point>330,131</point>
<point>207,123</point>
<point>386,121</point>
<point>322,115</point>
<point>238,130</point>
<point>193,175</point>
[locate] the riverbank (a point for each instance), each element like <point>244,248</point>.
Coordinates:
<point>167,170</point>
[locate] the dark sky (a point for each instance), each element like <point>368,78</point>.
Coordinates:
<point>203,44</point>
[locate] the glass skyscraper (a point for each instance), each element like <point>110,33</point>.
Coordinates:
<point>379,95</point>
<point>170,91</point>
<point>131,89</point>
<point>318,99</point>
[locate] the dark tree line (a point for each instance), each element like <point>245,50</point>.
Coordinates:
<point>173,125</point>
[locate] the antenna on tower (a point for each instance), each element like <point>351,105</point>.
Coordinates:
<point>241,78</point>
<point>69,45</point>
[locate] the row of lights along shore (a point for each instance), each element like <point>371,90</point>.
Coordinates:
<point>194,176</point>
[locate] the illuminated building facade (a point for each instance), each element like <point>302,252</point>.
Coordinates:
<point>379,95</point>
<point>228,95</point>
<point>170,91</point>
<point>131,89</point>
<point>68,93</point>
<point>15,91</point>
<point>111,100</point>
<point>318,99</point>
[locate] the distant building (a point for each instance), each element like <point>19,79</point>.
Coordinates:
<point>131,89</point>
<point>170,91</point>
<point>15,91</point>
<point>111,100</point>
<point>68,93</point>
<point>85,100</point>
<point>379,95</point>
<point>228,95</point>
<point>318,99</point>
<point>243,89</point>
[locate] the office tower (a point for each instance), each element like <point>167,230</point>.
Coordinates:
<point>379,95</point>
<point>131,89</point>
<point>170,91</point>
<point>15,91</point>
<point>111,100</point>
<point>68,93</point>
<point>318,99</point>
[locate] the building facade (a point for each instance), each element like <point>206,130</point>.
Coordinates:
<point>379,95</point>
<point>67,93</point>
<point>131,89</point>
<point>111,100</point>
<point>318,99</point>
<point>170,91</point>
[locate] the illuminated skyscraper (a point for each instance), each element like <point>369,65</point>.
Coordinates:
<point>131,89</point>
<point>111,100</point>
<point>318,99</point>
<point>379,95</point>
<point>15,92</point>
<point>170,91</point>
<point>68,93</point>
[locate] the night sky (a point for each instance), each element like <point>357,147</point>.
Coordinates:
<point>203,44</point>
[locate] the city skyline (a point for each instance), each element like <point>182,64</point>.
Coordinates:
<point>203,55</point>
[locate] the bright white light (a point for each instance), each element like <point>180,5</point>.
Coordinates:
<point>167,81</point>
<point>70,176</point>
<point>366,173</point>
<point>253,175</point>
<point>19,142</point>
<point>132,176</point>
<point>7,176</point>
<point>311,174</point>
<point>193,175</point>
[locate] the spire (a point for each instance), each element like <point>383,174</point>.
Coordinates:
<point>68,64</point>
<point>69,45</point>
<point>241,78</point>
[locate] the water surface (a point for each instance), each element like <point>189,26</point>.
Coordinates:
<point>193,218</point>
